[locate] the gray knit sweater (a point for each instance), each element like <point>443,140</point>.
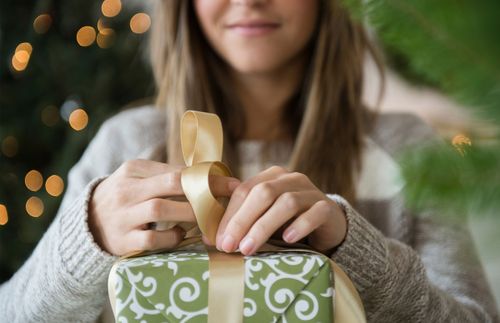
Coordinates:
<point>407,268</point>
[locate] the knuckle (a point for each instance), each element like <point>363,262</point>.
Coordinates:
<point>236,226</point>
<point>260,231</point>
<point>242,191</point>
<point>324,206</point>
<point>128,167</point>
<point>278,169</point>
<point>298,176</point>
<point>173,178</point>
<point>290,200</point>
<point>154,208</point>
<point>265,191</point>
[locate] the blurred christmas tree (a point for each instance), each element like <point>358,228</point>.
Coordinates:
<point>453,46</point>
<point>65,66</point>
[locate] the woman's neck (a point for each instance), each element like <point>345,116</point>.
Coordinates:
<point>264,97</point>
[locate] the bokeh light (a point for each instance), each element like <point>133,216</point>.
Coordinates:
<point>50,116</point>
<point>10,146</point>
<point>105,37</point>
<point>101,24</point>
<point>42,23</point>
<point>111,8</point>
<point>460,142</point>
<point>33,180</point>
<point>21,56</point>
<point>34,206</point>
<point>4,216</point>
<point>78,119</point>
<point>85,36</point>
<point>140,23</point>
<point>54,185</point>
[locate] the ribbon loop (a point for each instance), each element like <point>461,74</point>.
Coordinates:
<point>201,137</point>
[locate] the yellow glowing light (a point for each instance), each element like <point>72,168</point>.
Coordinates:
<point>85,36</point>
<point>111,8</point>
<point>105,37</point>
<point>42,23</point>
<point>34,206</point>
<point>21,56</point>
<point>140,23</point>
<point>24,46</point>
<point>78,119</point>
<point>50,116</point>
<point>54,185</point>
<point>33,180</point>
<point>4,216</point>
<point>9,146</point>
<point>460,142</point>
<point>101,24</point>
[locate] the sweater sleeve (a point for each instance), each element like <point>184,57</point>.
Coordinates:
<point>440,279</point>
<point>64,279</point>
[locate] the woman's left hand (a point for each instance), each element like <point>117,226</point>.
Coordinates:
<point>273,198</point>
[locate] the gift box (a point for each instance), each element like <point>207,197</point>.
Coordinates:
<point>196,283</point>
<point>173,287</point>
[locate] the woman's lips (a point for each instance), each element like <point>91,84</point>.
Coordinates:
<point>253,28</point>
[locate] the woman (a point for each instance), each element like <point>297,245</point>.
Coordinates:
<point>285,78</point>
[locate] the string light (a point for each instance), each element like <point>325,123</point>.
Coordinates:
<point>34,206</point>
<point>42,23</point>
<point>85,36</point>
<point>10,146</point>
<point>54,185</point>
<point>33,180</point>
<point>111,8</point>
<point>50,116</point>
<point>78,119</point>
<point>140,23</point>
<point>21,56</point>
<point>4,215</point>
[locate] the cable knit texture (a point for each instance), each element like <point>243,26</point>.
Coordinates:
<point>406,267</point>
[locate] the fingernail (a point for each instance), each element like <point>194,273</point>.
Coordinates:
<point>247,246</point>
<point>290,235</point>
<point>228,243</point>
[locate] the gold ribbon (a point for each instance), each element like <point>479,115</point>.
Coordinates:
<point>202,144</point>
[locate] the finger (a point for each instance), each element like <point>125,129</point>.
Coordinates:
<point>286,207</point>
<point>141,168</point>
<point>259,200</point>
<point>241,192</point>
<point>321,216</point>
<point>222,186</point>
<point>169,185</point>
<point>154,240</point>
<point>160,210</point>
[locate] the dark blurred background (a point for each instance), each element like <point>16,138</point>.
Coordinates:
<point>66,66</point>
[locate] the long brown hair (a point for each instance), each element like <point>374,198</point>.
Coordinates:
<point>326,116</point>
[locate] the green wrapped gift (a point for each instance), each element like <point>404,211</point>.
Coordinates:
<point>190,284</point>
<point>173,287</point>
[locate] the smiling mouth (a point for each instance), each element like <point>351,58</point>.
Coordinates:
<point>253,28</point>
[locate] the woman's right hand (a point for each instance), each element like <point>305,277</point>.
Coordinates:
<point>133,196</point>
